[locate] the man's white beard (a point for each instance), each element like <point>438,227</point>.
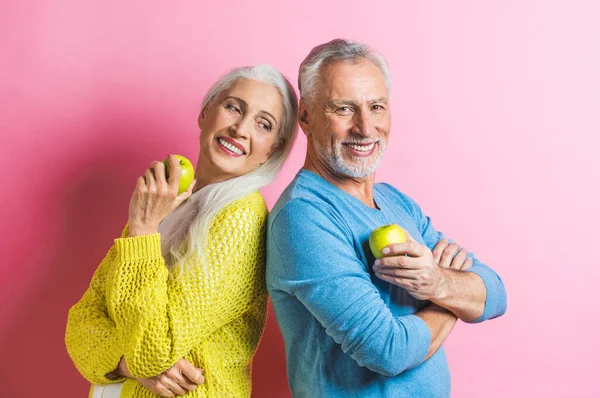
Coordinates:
<point>358,168</point>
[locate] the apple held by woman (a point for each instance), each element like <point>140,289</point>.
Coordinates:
<point>187,172</point>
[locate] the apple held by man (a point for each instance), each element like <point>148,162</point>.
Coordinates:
<point>385,235</point>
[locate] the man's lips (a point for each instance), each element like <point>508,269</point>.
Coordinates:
<point>361,149</point>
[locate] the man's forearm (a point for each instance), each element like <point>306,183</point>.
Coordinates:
<point>462,293</point>
<point>440,322</point>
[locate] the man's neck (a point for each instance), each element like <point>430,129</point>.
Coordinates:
<point>360,188</point>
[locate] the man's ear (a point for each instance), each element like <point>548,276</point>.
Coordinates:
<point>304,117</point>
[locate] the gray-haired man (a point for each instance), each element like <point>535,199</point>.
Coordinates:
<point>352,326</point>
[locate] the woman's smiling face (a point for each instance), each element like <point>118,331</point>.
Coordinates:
<point>238,130</point>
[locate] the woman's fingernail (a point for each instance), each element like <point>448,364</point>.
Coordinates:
<point>377,262</point>
<point>385,251</point>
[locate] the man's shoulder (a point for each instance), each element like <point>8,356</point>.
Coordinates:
<point>390,191</point>
<point>302,194</point>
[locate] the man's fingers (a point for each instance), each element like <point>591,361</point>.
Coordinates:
<point>438,249</point>
<point>459,259</point>
<point>405,283</point>
<point>411,248</point>
<point>398,262</point>
<point>396,273</point>
<point>468,264</point>
<point>448,254</point>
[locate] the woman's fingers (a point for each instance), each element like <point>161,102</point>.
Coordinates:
<point>190,371</point>
<point>150,180</point>
<point>158,169</point>
<point>175,374</point>
<point>171,384</point>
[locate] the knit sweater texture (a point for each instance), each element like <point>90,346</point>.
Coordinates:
<point>212,316</point>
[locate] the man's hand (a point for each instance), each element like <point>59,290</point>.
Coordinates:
<point>447,255</point>
<point>417,269</point>
<point>411,266</point>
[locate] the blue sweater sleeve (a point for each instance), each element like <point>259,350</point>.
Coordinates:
<point>318,264</point>
<point>495,302</point>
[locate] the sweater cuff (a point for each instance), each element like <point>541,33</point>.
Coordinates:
<point>139,247</point>
<point>495,300</point>
<point>110,362</point>
<point>418,330</point>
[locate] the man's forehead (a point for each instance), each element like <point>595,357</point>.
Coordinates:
<point>349,79</point>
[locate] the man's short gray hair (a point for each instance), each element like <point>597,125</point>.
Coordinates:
<point>337,50</point>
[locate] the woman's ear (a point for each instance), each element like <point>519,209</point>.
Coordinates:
<point>201,118</point>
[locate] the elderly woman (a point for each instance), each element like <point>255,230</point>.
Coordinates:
<point>178,305</point>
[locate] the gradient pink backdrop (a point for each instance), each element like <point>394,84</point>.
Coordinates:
<point>495,133</point>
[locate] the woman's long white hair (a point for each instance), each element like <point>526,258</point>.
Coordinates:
<point>184,233</point>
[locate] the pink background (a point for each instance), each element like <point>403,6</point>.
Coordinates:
<point>495,134</point>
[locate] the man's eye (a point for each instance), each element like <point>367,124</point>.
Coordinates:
<point>377,107</point>
<point>344,109</point>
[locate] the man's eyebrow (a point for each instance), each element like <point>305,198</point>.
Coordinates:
<point>342,102</point>
<point>382,100</point>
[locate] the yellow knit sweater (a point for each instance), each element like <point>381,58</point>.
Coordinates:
<point>214,317</point>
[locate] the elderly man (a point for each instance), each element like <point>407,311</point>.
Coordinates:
<point>354,326</point>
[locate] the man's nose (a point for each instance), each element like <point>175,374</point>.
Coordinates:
<point>363,124</point>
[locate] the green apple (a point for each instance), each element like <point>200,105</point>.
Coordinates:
<point>385,235</point>
<point>187,172</point>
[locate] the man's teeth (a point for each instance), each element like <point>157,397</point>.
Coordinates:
<point>362,147</point>
<point>231,147</point>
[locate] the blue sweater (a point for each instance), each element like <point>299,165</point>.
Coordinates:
<point>346,332</point>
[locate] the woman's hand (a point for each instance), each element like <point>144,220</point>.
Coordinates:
<point>179,379</point>
<point>155,197</point>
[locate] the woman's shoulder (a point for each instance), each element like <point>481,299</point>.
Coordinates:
<point>252,203</point>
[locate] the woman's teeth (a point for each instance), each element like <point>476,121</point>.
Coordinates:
<point>231,147</point>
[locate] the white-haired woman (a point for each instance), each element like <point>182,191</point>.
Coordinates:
<point>179,303</point>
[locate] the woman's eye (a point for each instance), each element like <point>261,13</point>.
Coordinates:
<point>233,108</point>
<point>264,126</point>
<point>377,108</point>
<point>344,109</point>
